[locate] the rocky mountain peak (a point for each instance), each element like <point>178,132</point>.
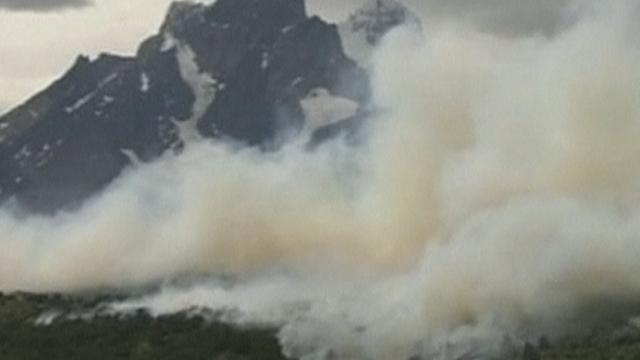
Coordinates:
<point>376,17</point>
<point>238,69</point>
<point>185,17</point>
<point>181,14</point>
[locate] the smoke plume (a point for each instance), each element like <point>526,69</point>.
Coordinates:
<point>497,195</point>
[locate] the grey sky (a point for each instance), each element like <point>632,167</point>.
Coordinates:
<point>42,5</point>
<point>335,10</point>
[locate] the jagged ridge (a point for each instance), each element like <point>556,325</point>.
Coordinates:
<point>237,69</point>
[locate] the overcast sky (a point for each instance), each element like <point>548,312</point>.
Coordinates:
<point>41,38</point>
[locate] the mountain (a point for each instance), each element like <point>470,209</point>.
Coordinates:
<point>254,71</point>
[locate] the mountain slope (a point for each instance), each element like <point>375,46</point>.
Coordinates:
<point>236,69</point>
<point>253,71</point>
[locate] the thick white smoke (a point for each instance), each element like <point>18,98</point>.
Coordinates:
<point>498,194</point>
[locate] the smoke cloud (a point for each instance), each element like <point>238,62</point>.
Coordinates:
<point>42,5</point>
<point>496,195</point>
<point>513,18</point>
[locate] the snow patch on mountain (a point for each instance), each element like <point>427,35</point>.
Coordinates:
<point>203,85</point>
<point>144,82</point>
<point>168,43</point>
<point>106,100</point>
<point>265,62</point>
<point>131,155</point>
<point>321,108</point>
<point>79,103</point>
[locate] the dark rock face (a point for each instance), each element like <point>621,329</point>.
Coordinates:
<point>235,69</point>
<point>377,17</point>
<point>273,56</point>
<point>67,142</point>
<point>350,128</point>
<point>276,76</point>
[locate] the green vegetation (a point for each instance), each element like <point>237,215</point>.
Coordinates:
<point>137,337</point>
<point>610,343</point>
